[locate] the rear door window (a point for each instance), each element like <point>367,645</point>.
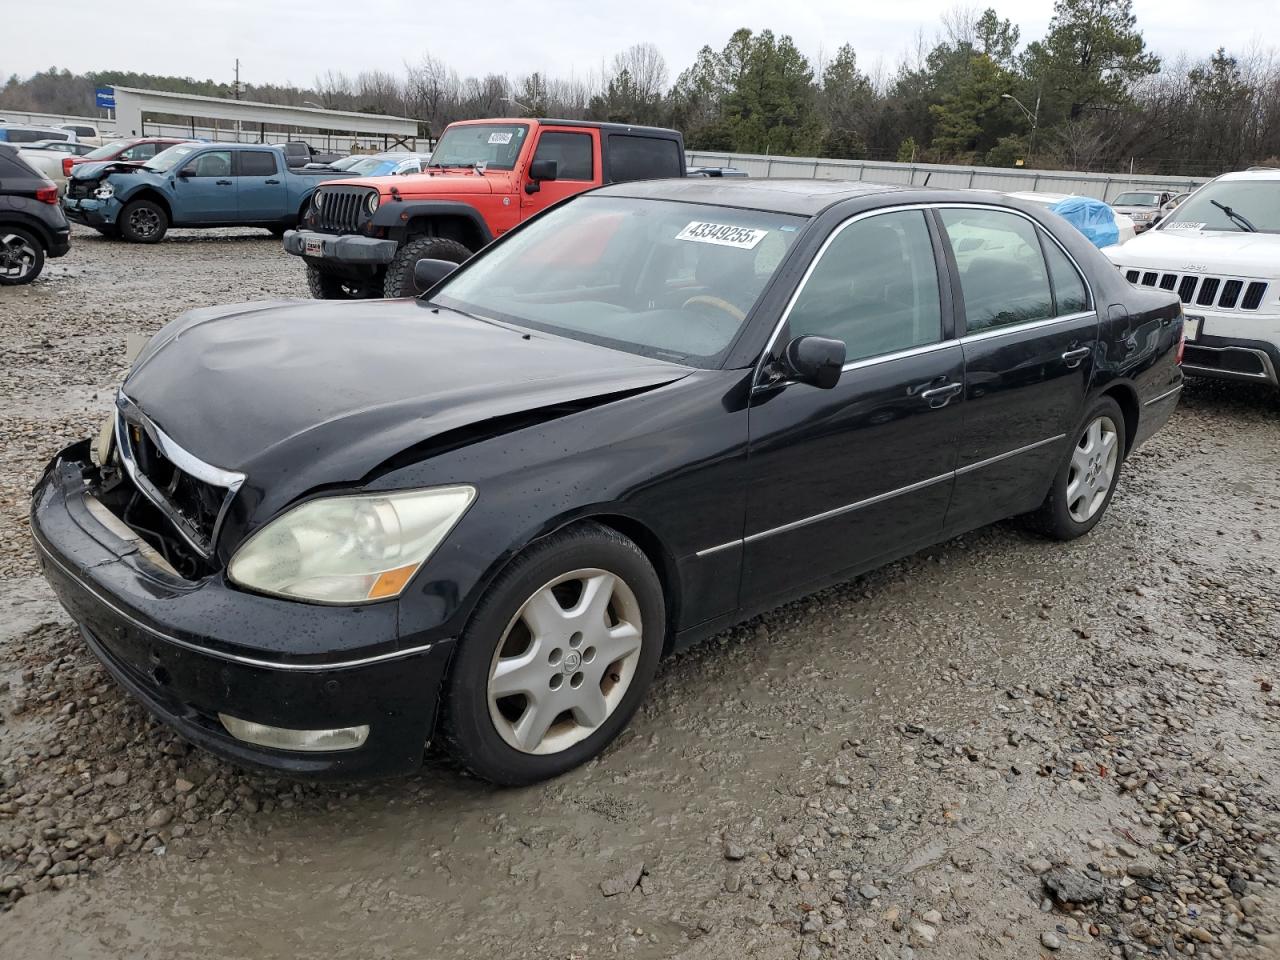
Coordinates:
<point>257,163</point>
<point>1069,290</point>
<point>1003,275</point>
<point>642,158</point>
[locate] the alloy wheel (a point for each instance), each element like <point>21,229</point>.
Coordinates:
<point>145,222</point>
<point>18,256</point>
<point>1093,469</point>
<point>565,661</point>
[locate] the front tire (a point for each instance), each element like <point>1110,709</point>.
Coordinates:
<point>325,285</point>
<point>21,256</point>
<point>399,281</point>
<point>143,221</point>
<point>1085,483</point>
<point>556,658</point>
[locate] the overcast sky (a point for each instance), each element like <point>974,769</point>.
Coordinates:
<point>295,42</point>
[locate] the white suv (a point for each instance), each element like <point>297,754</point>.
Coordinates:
<point>1220,252</point>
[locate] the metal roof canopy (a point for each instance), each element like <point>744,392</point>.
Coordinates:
<point>132,102</point>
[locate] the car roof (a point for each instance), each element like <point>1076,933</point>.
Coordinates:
<point>1260,173</point>
<point>664,132</point>
<point>804,198</point>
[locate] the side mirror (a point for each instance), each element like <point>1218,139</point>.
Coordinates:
<point>427,273</point>
<point>540,170</point>
<point>186,172</point>
<point>817,361</point>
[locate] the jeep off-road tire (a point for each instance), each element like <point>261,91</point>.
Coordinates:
<point>326,285</point>
<point>399,279</point>
<point>142,221</point>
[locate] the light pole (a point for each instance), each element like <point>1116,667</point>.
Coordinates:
<point>1033,117</point>
<point>516,103</point>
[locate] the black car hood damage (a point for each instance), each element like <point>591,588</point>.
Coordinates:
<point>298,394</point>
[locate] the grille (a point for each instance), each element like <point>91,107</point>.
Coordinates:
<point>343,209</point>
<point>81,189</point>
<point>191,494</point>
<point>1220,292</point>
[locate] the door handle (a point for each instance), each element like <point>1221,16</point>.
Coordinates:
<point>223,183</point>
<point>273,180</point>
<point>1073,358</point>
<point>938,397</point>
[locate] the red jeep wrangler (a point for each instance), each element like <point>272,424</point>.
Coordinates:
<point>361,238</point>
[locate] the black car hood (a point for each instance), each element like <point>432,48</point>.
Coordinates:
<point>299,394</point>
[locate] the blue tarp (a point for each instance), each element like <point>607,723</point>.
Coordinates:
<point>1093,218</point>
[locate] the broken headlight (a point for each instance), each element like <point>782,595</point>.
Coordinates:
<point>104,190</point>
<point>350,549</point>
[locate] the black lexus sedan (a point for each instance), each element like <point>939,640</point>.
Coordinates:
<point>314,536</point>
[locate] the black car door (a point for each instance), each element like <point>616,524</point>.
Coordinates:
<point>1029,349</point>
<point>847,477</point>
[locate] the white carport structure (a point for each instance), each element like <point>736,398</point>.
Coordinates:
<point>246,119</point>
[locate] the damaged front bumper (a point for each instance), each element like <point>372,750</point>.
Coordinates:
<point>90,211</point>
<point>195,651</point>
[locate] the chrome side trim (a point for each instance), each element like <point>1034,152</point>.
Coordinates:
<point>219,654</point>
<point>969,468</point>
<point>879,498</point>
<point>994,332</point>
<point>719,547</point>
<point>1163,396</point>
<point>848,508</point>
<point>188,463</point>
<point>898,355</point>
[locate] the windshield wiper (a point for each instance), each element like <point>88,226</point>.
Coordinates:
<point>450,166</point>
<point>1236,218</point>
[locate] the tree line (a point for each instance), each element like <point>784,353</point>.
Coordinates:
<point>1088,95</point>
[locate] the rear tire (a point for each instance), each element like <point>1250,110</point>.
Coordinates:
<point>21,256</point>
<point>1085,483</point>
<point>399,280</point>
<point>585,677</point>
<point>143,221</point>
<point>325,285</point>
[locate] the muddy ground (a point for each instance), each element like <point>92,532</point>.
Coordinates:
<point>1002,747</point>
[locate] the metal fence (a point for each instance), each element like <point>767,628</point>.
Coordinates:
<point>1103,186</point>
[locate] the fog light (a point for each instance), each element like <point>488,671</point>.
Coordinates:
<point>279,738</point>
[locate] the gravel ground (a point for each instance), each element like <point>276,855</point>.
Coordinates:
<point>1000,748</point>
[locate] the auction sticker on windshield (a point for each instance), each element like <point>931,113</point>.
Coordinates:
<point>1183,225</point>
<point>500,137</point>
<point>724,234</point>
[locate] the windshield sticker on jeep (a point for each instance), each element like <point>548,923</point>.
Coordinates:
<point>726,235</point>
<point>1183,225</point>
<point>500,137</point>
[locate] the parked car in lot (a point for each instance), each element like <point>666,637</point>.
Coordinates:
<point>190,185</point>
<point>32,227</point>
<point>387,165</point>
<point>83,132</point>
<point>1124,228</point>
<point>132,149</point>
<point>342,163</point>
<point>49,157</point>
<point>1220,253</point>
<point>1142,206</point>
<point>361,238</point>
<point>25,133</point>
<point>299,153</point>
<point>1171,204</point>
<point>316,536</point>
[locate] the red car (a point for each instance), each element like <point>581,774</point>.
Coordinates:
<point>138,149</point>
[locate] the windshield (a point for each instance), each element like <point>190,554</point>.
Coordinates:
<point>1136,200</point>
<point>372,167</point>
<point>345,163</point>
<point>497,145</point>
<point>168,159</point>
<point>668,280</point>
<point>1254,203</point>
<point>108,151</point>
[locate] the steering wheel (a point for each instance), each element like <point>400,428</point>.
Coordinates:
<point>720,304</point>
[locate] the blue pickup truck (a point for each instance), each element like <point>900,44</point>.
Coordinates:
<point>191,185</point>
